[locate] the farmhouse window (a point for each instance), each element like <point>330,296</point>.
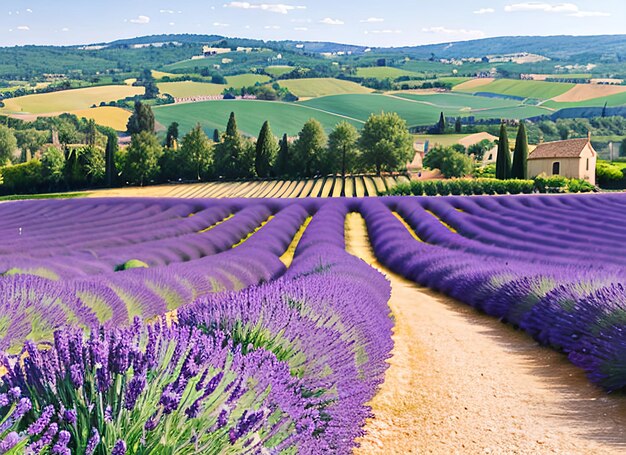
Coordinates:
<point>587,163</point>
<point>556,168</point>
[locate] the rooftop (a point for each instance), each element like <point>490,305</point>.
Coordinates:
<point>571,148</point>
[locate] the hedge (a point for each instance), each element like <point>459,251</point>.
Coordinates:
<point>458,187</point>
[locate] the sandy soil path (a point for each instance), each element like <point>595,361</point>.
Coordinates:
<point>462,382</point>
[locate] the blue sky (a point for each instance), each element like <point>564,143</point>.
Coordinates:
<point>379,23</point>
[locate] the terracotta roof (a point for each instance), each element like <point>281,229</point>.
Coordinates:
<point>560,149</point>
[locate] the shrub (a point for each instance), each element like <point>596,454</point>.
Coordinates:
<point>22,178</point>
<point>553,184</point>
<point>430,188</point>
<point>606,172</point>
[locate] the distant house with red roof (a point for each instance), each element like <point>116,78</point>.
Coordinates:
<point>574,158</point>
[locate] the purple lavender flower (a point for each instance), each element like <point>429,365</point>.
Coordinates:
<point>77,376</point>
<point>10,440</point>
<point>39,425</point>
<point>133,389</point>
<point>69,416</point>
<point>60,448</point>
<point>93,442</point>
<point>119,448</point>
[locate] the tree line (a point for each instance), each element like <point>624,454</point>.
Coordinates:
<point>383,145</point>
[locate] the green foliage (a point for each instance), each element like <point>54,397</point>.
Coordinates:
<point>464,187</point>
<point>29,141</point>
<point>450,162</point>
<point>479,149</point>
<point>441,125</point>
<point>234,155</point>
<point>385,143</point>
<point>266,151</point>
<point>343,152</point>
<point>8,144</point>
<point>142,158</point>
<point>142,119</point>
<point>110,153</point>
<point>284,161</point>
<point>22,178</point>
<point>487,172</point>
<point>172,135</point>
<point>196,154</point>
<point>503,162</point>
<point>309,149</point>
<point>131,264</point>
<point>519,169</point>
<point>607,172</point>
<point>53,164</point>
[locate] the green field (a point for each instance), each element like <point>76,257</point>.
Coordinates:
<point>454,80</point>
<point>525,89</point>
<point>246,80</point>
<point>69,100</point>
<point>278,70</point>
<point>424,109</point>
<point>186,89</point>
<point>611,101</point>
<point>384,72</point>
<point>313,88</point>
<point>283,117</point>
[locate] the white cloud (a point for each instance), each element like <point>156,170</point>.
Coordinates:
<point>301,29</point>
<point>279,8</point>
<point>331,21</point>
<point>383,32</point>
<point>141,20</point>
<point>65,29</point>
<point>485,11</point>
<point>167,11</point>
<point>372,20</point>
<point>569,9</point>
<point>452,31</point>
<point>23,28</point>
<point>272,27</point>
<point>220,24</point>
<point>28,10</point>
<point>172,24</point>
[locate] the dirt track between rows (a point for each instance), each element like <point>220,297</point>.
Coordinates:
<point>462,382</point>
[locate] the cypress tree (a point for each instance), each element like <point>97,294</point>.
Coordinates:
<point>503,163</point>
<point>519,169</point>
<point>216,135</point>
<point>266,149</point>
<point>172,135</point>
<point>282,166</point>
<point>441,126</point>
<point>457,125</point>
<point>231,128</point>
<point>111,150</point>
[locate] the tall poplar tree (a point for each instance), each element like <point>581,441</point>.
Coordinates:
<point>266,150</point>
<point>519,169</point>
<point>503,162</point>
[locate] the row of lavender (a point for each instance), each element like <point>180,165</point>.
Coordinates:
<point>553,266</point>
<point>286,367</point>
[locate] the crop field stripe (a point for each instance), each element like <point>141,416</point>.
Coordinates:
<point>350,187</point>
<point>337,187</point>
<point>253,189</point>
<point>289,188</point>
<point>317,188</point>
<point>360,186</point>
<point>199,190</point>
<point>390,182</point>
<point>297,189</point>
<point>408,227</point>
<point>277,188</point>
<point>251,233</point>
<point>288,256</point>
<point>327,187</point>
<point>306,189</point>
<point>266,189</point>
<point>370,186</point>
<point>379,184</point>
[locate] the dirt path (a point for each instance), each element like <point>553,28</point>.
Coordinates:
<point>462,382</point>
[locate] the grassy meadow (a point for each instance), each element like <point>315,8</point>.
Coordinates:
<point>316,87</point>
<point>69,100</point>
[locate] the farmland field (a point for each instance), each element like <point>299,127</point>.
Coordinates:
<point>187,89</point>
<point>284,117</point>
<point>384,72</point>
<point>246,306</point>
<point>278,70</point>
<point>113,117</point>
<point>524,89</point>
<point>313,88</point>
<point>69,100</point>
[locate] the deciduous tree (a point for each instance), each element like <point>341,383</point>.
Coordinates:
<point>309,149</point>
<point>196,153</point>
<point>142,119</point>
<point>343,151</point>
<point>142,158</point>
<point>8,144</point>
<point>385,143</point>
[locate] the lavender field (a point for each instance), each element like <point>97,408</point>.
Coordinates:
<point>168,326</point>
